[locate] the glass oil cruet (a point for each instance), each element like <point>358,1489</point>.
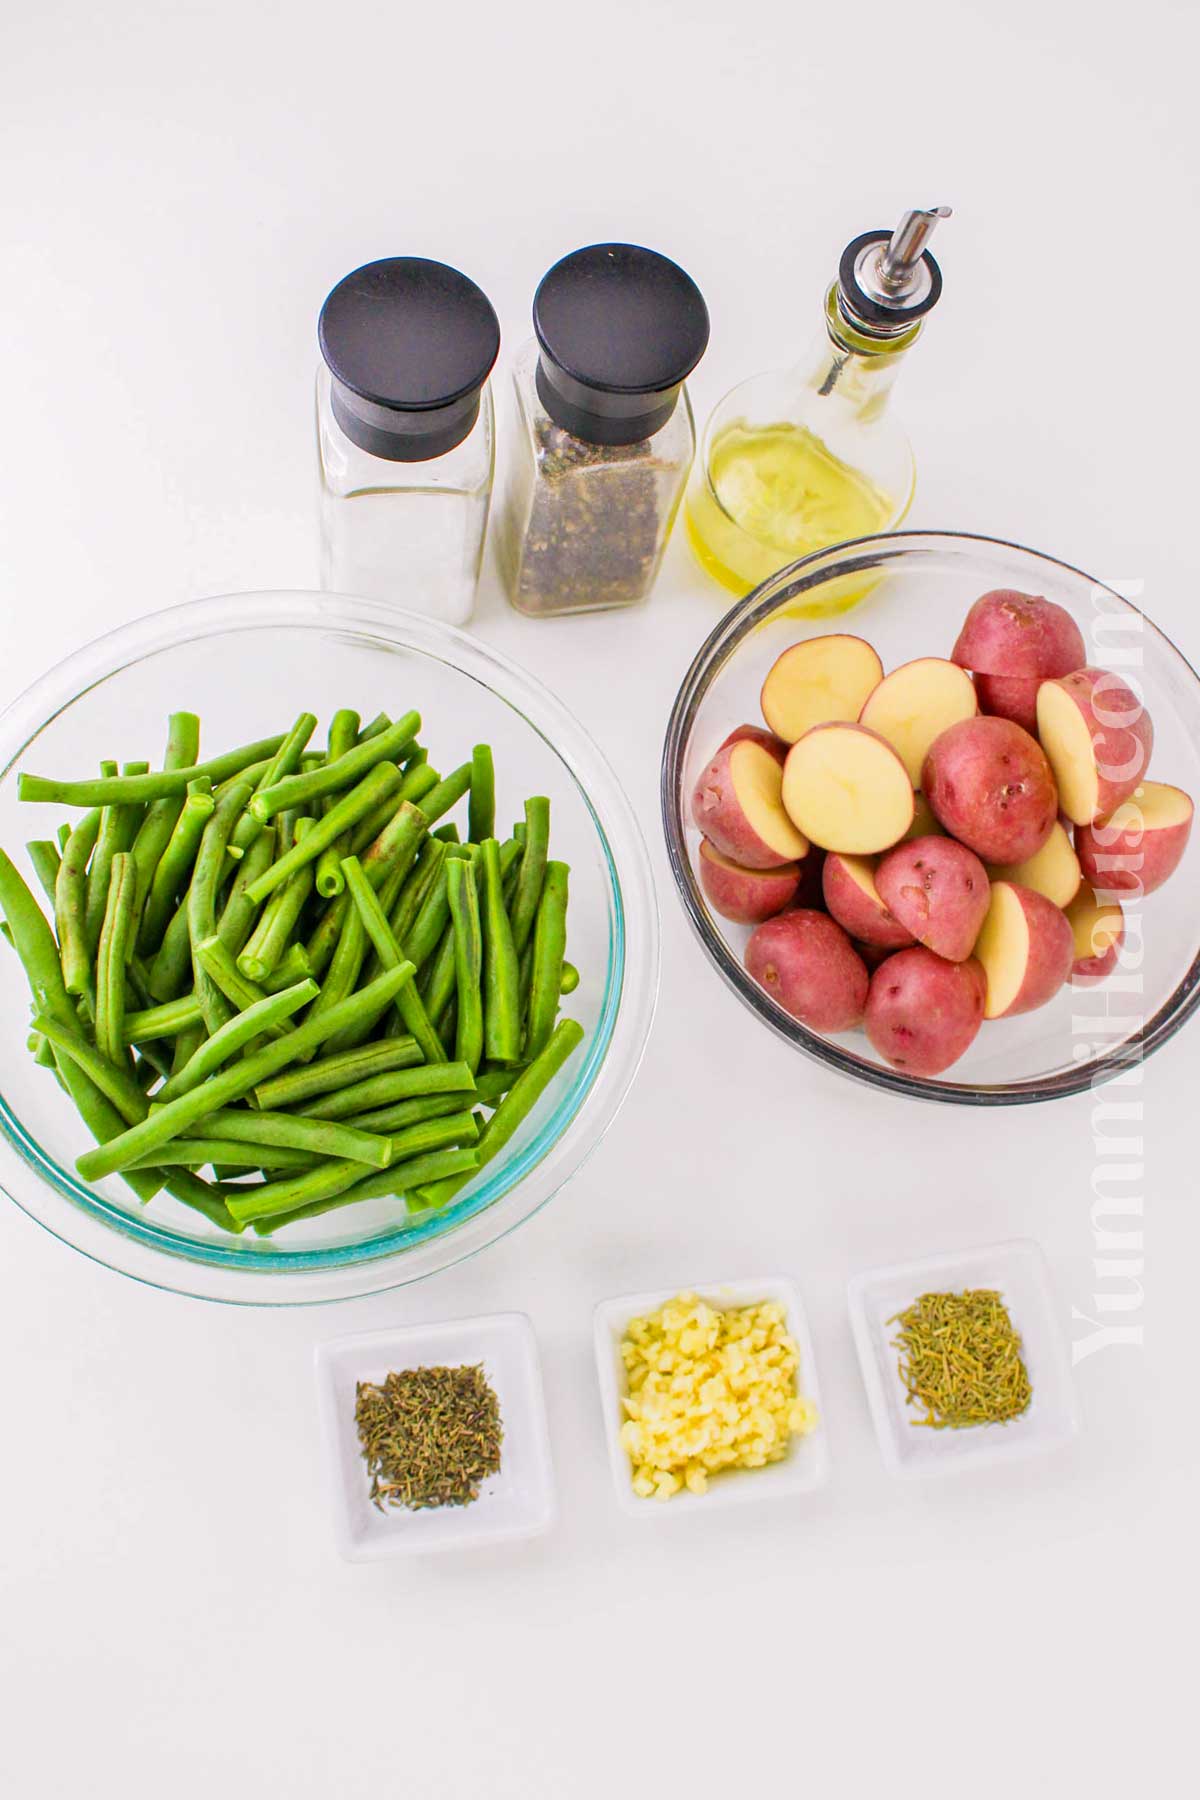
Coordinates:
<point>794,460</point>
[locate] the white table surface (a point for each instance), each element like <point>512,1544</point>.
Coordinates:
<point>181,185</point>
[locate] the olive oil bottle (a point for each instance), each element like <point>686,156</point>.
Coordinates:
<point>795,460</point>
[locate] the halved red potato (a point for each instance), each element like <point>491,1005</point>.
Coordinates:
<point>1140,845</point>
<point>1098,736</point>
<point>850,786</point>
<point>754,734</point>
<point>818,680</point>
<point>1053,870</point>
<point>990,785</point>
<point>1098,928</point>
<point>915,703</point>
<point>736,803</point>
<point>922,1011</point>
<point>848,884</point>
<point>1026,949</point>
<point>805,961</point>
<point>1007,632</point>
<point>1010,697</point>
<point>939,891</point>
<point>746,896</point>
<point>924,823</point>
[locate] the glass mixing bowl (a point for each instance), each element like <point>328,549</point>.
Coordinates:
<point>918,587</point>
<point>248,663</point>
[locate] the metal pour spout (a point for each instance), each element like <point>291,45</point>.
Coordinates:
<point>899,261</point>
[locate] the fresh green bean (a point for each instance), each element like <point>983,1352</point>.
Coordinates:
<point>64,833</point>
<point>202,898</point>
<point>119,790</point>
<point>220,967</point>
<point>390,955</point>
<point>447,793</point>
<point>348,771</point>
<point>345,968</point>
<point>449,834</point>
<point>271,937</point>
<point>533,868</point>
<point>501,971</point>
<point>173,1120</point>
<point>70,906</point>
<point>238,917</point>
<point>386,1088</point>
<point>203,1198</point>
<point>399,1179</point>
<point>403,1113</point>
<point>491,1085</point>
<point>330,1073</point>
<point>570,979</point>
<point>382,779</point>
<point>481,807</point>
<point>162,1021</point>
<point>112,836</point>
<point>46,859</point>
<point>419,781</point>
<point>233,1036</point>
<point>113,1079</point>
<point>468,963</point>
<point>379,723</point>
<point>439,977</point>
<point>111,957</point>
<point>293,966</point>
<point>172,962</point>
<point>154,833</point>
<point>316,1137</point>
<point>174,865</point>
<point>289,1196</point>
<point>198,1152</point>
<point>549,948</point>
<point>285,761</point>
<point>515,1107</point>
<point>343,736</point>
<point>393,849</point>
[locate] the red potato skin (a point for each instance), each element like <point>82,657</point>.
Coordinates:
<point>718,812</point>
<point>990,784</point>
<point>1051,952</point>
<point>857,913</point>
<point>745,896</point>
<point>1010,697</point>
<point>1086,971</point>
<point>805,961</point>
<point>1010,633</point>
<point>1122,861</point>
<point>766,740</point>
<point>1122,732</point>
<point>923,1012</point>
<point>939,891</point>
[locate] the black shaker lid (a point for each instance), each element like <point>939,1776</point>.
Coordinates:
<point>620,329</point>
<point>409,344</point>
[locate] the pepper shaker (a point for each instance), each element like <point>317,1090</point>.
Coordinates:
<point>606,436</point>
<point>405,434</point>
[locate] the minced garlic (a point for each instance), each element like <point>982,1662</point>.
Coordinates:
<point>708,1390</point>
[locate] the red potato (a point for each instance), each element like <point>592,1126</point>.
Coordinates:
<point>736,804</point>
<point>848,885</point>
<point>1026,949</point>
<point>807,963</point>
<point>845,788</point>
<point>1053,870</point>
<point>746,896</point>
<point>939,891</point>
<point>1098,930</point>
<point>1098,736</point>
<point>990,784</point>
<point>923,1012</point>
<point>874,954</point>
<point>754,734</point>
<point>818,680</point>
<point>1141,845</point>
<point>1010,633</point>
<point>1010,697</point>
<point>915,703</point>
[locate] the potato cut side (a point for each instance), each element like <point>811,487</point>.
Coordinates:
<point>846,789</point>
<point>1096,925</point>
<point>757,782</point>
<point>1067,740</point>
<point>1155,806</point>
<point>1053,870</point>
<point>1002,948</point>
<point>817,681</point>
<point>915,703</point>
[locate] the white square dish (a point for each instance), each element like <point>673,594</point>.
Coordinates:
<point>804,1469</point>
<point>1019,1272</point>
<point>517,1502</point>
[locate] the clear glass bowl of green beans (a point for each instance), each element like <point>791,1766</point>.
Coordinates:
<point>332,948</point>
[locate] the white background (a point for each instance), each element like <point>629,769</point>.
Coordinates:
<point>179,186</point>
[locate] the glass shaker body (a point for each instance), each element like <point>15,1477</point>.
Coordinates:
<point>410,533</point>
<point>583,526</point>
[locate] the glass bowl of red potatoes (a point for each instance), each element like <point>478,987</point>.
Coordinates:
<point>941,842</point>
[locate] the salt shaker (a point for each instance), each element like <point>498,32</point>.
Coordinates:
<point>405,434</point>
<point>606,436</point>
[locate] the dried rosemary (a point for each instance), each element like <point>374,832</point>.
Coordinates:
<point>430,1437</point>
<point>960,1360</point>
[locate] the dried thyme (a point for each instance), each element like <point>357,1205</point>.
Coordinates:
<point>960,1360</point>
<point>430,1437</point>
